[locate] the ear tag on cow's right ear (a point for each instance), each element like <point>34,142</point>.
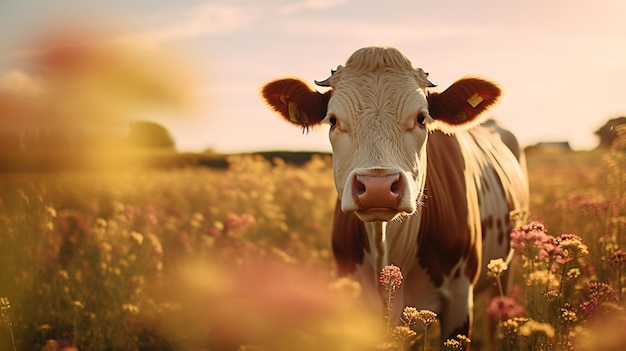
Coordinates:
<point>294,114</point>
<point>460,117</point>
<point>475,100</point>
<point>298,117</point>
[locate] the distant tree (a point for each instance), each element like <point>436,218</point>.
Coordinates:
<point>150,135</point>
<point>608,132</point>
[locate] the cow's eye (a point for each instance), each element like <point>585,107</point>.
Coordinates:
<point>332,120</point>
<point>421,119</point>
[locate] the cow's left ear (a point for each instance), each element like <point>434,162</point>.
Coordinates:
<point>296,102</point>
<point>461,104</point>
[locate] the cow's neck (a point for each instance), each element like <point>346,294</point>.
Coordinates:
<point>393,243</point>
<point>380,240</point>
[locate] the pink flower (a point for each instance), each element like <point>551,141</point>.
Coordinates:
<point>501,308</point>
<point>390,278</point>
<point>238,222</point>
<point>601,292</point>
<point>618,259</point>
<point>532,240</point>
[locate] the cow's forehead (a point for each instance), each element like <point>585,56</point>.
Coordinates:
<point>377,81</point>
<point>392,94</point>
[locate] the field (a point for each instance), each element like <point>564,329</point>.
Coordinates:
<point>193,258</point>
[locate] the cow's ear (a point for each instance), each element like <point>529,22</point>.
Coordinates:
<point>296,102</point>
<point>460,106</point>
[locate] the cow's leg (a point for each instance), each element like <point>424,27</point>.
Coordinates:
<point>457,314</point>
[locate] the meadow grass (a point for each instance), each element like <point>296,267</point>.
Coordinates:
<point>201,259</point>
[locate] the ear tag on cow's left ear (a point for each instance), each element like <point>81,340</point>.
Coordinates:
<point>475,100</point>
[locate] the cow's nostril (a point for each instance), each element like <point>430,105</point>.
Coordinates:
<point>360,187</point>
<point>395,187</point>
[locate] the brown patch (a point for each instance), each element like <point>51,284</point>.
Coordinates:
<point>486,225</point>
<point>444,238</point>
<point>349,241</point>
<point>500,236</point>
<point>471,266</point>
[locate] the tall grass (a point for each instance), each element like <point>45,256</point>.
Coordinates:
<point>199,259</point>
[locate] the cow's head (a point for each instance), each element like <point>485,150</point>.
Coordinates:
<point>380,115</point>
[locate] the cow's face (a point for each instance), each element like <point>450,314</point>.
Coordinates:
<point>379,115</point>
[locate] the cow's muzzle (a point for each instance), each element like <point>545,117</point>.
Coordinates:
<point>377,194</point>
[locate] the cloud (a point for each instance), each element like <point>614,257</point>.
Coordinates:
<point>310,5</point>
<point>398,32</point>
<point>201,20</point>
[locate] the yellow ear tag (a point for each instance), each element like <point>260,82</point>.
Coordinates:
<point>294,114</point>
<point>474,100</point>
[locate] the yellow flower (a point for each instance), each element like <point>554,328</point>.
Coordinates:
<point>532,327</point>
<point>403,334</point>
<point>496,267</point>
<point>427,317</point>
<point>409,316</point>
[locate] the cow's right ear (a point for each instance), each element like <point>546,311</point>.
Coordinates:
<point>296,102</point>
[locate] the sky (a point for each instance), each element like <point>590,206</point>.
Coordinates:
<point>561,64</point>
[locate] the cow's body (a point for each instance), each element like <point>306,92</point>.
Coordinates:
<point>440,250</point>
<point>439,210</point>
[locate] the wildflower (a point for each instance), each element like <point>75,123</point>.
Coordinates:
<point>573,273</point>
<point>452,344</point>
<point>503,307</point>
<point>511,325</point>
<point>538,278</point>
<point>601,292</point>
<point>129,307</point>
<point>403,334</point>
<point>137,237</point>
<point>553,295</point>
<point>427,317</point>
<point>390,278</point>
<point>409,316</point>
<point>496,267</point>
<point>532,240</point>
<point>196,220</point>
<point>601,298</point>
<point>571,247</point>
<point>63,274</point>
<point>460,343</point>
<point>532,327</point>
<point>5,305</point>
<point>238,222</point>
<point>618,259</point>
<point>568,314</point>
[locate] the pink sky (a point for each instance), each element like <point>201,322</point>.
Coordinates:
<point>561,64</point>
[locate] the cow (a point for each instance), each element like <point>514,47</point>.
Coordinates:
<point>423,181</point>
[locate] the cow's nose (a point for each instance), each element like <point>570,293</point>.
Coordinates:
<point>377,191</point>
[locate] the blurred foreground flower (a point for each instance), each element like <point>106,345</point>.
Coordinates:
<point>80,94</point>
<point>501,308</point>
<point>268,304</point>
